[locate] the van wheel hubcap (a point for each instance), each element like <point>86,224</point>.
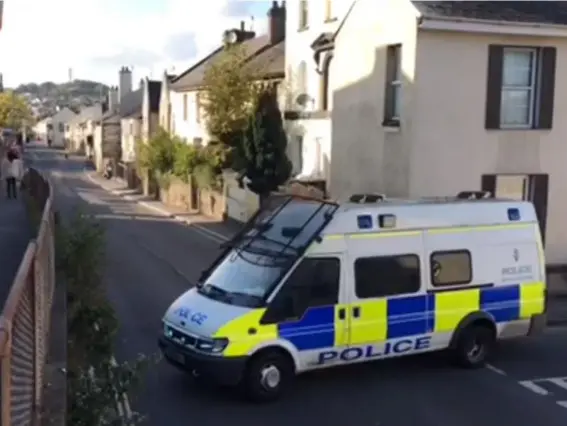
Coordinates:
<point>476,351</point>
<point>270,377</point>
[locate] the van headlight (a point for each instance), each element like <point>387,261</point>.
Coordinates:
<point>214,346</point>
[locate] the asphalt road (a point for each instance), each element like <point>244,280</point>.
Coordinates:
<point>151,260</point>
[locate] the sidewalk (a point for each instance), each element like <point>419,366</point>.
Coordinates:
<point>212,228</point>
<point>15,234</point>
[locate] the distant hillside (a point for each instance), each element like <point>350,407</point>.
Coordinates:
<point>45,97</point>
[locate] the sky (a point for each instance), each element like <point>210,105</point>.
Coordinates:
<point>41,40</point>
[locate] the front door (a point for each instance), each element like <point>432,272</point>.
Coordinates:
<point>530,187</point>
<point>388,305</point>
<point>309,310</point>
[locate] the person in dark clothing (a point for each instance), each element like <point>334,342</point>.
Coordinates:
<point>8,174</point>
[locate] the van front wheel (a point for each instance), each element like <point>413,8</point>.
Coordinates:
<point>267,376</point>
<point>474,346</point>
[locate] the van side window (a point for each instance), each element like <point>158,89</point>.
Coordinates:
<point>386,275</point>
<point>451,268</point>
<point>315,282</point>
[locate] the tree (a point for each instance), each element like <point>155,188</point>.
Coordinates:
<point>265,141</point>
<point>14,111</point>
<point>229,95</point>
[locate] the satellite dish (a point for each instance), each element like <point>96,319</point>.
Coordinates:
<point>303,99</point>
<point>230,37</point>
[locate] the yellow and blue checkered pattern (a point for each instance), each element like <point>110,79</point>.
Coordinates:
<point>384,319</point>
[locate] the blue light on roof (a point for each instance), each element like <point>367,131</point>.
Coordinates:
<point>514,214</point>
<point>364,221</point>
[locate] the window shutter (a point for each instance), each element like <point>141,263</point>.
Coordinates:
<point>493,87</point>
<point>548,55</point>
<point>488,183</point>
<point>539,194</point>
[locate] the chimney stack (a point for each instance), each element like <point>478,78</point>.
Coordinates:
<point>124,82</point>
<point>276,17</point>
<point>113,98</point>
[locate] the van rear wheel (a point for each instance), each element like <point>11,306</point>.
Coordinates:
<point>474,346</point>
<point>267,376</point>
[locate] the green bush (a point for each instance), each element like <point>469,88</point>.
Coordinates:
<point>95,381</point>
<point>211,160</point>
<point>186,159</point>
<point>158,153</point>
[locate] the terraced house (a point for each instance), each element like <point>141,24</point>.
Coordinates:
<point>181,108</point>
<point>432,98</point>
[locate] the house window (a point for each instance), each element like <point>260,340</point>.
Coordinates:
<point>299,154</point>
<point>131,128</point>
<point>61,127</point>
<point>326,94</point>
<point>520,87</point>
<point>393,90</point>
<point>517,104</point>
<point>301,84</point>
<point>303,14</point>
<point>185,107</point>
<point>198,107</point>
<point>328,10</point>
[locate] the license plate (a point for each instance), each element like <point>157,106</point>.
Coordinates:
<point>175,356</point>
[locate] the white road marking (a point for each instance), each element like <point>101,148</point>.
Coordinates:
<point>207,233</point>
<point>559,381</point>
<point>495,369</point>
<point>531,385</point>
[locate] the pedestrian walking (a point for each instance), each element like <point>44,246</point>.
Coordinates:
<point>12,173</point>
<point>7,174</point>
<point>17,172</point>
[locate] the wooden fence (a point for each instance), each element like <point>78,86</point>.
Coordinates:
<point>25,320</point>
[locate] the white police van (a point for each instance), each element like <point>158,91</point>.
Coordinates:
<point>310,284</point>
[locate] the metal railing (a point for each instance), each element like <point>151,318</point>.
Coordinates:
<point>25,320</point>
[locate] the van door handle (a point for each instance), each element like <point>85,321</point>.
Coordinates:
<point>356,312</point>
<point>342,314</point>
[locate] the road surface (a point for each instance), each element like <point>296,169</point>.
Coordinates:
<point>151,260</point>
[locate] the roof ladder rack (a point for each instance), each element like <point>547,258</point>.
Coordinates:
<point>366,198</point>
<point>474,195</point>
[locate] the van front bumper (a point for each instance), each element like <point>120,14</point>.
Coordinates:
<point>223,370</point>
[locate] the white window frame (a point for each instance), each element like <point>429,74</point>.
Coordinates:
<point>396,85</point>
<point>532,88</point>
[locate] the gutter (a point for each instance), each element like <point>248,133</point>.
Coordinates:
<point>491,27</point>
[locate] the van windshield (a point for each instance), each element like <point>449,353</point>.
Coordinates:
<point>258,257</point>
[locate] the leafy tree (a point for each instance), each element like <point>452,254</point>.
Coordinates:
<point>14,111</point>
<point>229,95</point>
<point>267,166</point>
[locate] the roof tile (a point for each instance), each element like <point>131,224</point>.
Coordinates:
<point>540,12</point>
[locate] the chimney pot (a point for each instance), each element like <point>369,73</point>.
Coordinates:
<point>276,19</point>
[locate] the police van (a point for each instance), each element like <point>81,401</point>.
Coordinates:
<point>309,284</point>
